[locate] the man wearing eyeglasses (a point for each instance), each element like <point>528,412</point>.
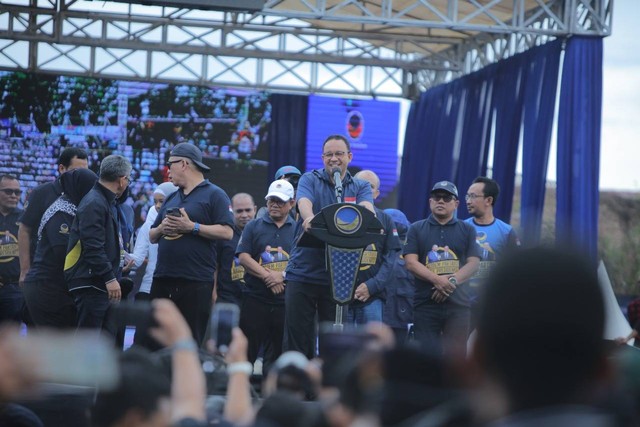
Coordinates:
<point>493,236</point>
<point>95,253</point>
<point>292,175</point>
<point>229,283</point>
<point>308,280</point>
<point>188,224</point>
<point>441,302</point>
<point>263,250</point>
<point>11,298</point>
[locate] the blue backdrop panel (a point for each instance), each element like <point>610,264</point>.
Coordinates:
<point>371,128</point>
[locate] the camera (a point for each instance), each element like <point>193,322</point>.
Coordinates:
<point>224,318</point>
<point>174,211</point>
<point>339,349</point>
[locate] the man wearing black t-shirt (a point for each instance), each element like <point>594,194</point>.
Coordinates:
<point>39,200</point>
<point>441,306</point>
<point>11,298</point>
<point>230,274</point>
<point>188,224</point>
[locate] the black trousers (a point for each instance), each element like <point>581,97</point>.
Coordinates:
<point>50,304</point>
<point>302,301</point>
<point>263,324</point>
<point>193,299</point>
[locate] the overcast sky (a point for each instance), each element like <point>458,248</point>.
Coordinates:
<point>620,153</point>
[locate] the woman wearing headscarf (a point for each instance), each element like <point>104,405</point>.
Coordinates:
<point>45,290</point>
<point>143,248</point>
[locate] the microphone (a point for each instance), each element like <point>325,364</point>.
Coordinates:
<point>336,172</point>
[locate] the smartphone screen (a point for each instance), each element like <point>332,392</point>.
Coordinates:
<point>174,212</point>
<point>224,318</point>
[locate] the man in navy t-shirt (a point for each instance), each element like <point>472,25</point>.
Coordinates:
<point>263,251</point>
<point>11,298</point>
<point>230,285</point>
<point>308,280</point>
<point>187,226</point>
<point>441,304</point>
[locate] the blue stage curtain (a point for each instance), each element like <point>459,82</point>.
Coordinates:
<point>427,148</point>
<point>507,102</point>
<point>471,158</point>
<point>542,66</point>
<point>579,121</point>
<point>449,128</point>
<point>287,136</point>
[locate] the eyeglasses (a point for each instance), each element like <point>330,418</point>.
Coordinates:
<point>338,154</point>
<point>445,197</point>
<point>275,201</point>
<point>472,196</point>
<point>170,162</point>
<point>10,191</point>
<point>128,178</point>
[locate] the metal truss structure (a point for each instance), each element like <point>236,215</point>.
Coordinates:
<point>374,48</point>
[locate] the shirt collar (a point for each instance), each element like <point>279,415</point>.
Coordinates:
<point>433,221</point>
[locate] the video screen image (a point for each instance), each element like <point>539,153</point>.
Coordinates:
<point>41,114</point>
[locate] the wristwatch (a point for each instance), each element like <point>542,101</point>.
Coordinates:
<point>196,228</point>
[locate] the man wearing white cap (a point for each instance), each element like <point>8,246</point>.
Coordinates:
<point>263,250</point>
<point>188,224</point>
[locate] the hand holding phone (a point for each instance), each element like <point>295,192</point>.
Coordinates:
<point>224,318</point>
<point>174,211</point>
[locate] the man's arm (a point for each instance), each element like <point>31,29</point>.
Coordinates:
<point>272,279</point>
<point>467,270</point>
<point>24,250</point>
<point>92,234</point>
<point>305,209</point>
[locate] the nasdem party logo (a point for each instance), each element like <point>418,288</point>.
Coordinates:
<point>355,124</point>
<point>347,219</point>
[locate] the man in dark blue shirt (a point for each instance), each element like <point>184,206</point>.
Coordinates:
<point>441,306</point>
<point>376,266</point>
<point>263,251</point>
<point>188,223</point>
<point>230,285</point>
<point>11,298</point>
<point>308,280</point>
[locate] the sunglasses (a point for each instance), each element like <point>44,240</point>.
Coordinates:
<point>10,191</point>
<point>445,197</point>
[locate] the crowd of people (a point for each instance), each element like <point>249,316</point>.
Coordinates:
<point>449,322</point>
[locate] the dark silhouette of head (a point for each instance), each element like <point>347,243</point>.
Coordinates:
<point>540,328</point>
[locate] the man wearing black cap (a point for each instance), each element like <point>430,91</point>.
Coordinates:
<point>441,305</point>
<point>188,223</point>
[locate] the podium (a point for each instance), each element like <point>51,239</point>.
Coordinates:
<point>344,230</point>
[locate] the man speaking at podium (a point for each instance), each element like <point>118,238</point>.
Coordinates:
<point>308,281</point>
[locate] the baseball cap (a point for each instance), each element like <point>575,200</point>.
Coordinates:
<point>281,189</point>
<point>287,170</point>
<point>447,186</point>
<point>190,151</point>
